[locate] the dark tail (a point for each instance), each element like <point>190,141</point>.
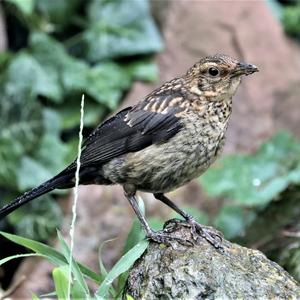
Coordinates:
<point>61,180</point>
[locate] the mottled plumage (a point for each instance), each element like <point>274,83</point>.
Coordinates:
<point>162,142</point>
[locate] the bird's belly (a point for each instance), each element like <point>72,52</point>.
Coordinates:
<point>166,166</point>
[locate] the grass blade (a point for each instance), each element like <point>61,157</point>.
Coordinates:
<point>75,268</point>
<point>6,259</point>
<point>50,254</point>
<point>61,282</point>
<point>121,266</point>
<point>34,296</point>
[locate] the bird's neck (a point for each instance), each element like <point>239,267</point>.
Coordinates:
<point>213,111</point>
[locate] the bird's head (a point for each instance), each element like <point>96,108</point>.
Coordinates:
<point>216,78</point>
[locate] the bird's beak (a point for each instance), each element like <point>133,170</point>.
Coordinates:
<point>244,69</point>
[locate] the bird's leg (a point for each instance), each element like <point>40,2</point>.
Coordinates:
<point>196,228</point>
<point>158,237</point>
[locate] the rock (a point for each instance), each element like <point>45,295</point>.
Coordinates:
<point>246,30</point>
<point>202,272</point>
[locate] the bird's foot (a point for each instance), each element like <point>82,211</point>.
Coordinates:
<point>172,224</point>
<point>165,238</point>
<point>205,232</point>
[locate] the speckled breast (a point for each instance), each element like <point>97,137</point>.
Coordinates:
<point>166,166</point>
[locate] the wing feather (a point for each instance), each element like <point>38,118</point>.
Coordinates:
<point>130,130</point>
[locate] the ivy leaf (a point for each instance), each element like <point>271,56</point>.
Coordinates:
<point>120,28</point>
<point>25,73</point>
<point>38,220</point>
<point>20,130</point>
<point>232,220</point>
<point>104,82</point>
<point>291,19</point>
<point>144,70</point>
<point>70,113</point>
<point>26,7</point>
<point>47,159</point>
<point>254,180</point>
<point>107,81</point>
<point>55,11</point>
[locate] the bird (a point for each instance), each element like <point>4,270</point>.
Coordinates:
<point>159,144</point>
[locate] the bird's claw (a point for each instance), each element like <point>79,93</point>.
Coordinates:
<point>167,239</point>
<point>205,232</point>
<point>172,223</point>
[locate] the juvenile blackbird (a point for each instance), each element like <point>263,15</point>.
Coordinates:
<point>161,143</point>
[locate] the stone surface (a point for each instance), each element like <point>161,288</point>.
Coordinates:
<point>202,272</point>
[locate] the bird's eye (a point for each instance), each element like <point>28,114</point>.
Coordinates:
<point>213,71</point>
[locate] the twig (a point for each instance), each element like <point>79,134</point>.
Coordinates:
<point>72,228</point>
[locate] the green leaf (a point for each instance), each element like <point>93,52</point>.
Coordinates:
<point>135,235</point>
<point>9,258</point>
<point>38,220</point>
<point>55,11</point>
<point>60,277</point>
<point>9,156</point>
<point>70,113</point>
<point>107,82</point>
<point>61,281</point>
<point>42,164</point>
<point>31,173</point>
<point>254,180</point>
<point>74,75</point>
<point>291,19</point>
<point>77,292</point>
<point>51,55</point>
<point>102,268</point>
<point>5,59</point>
<point>20,129</point>
<point>120,267</point>
<point>25,6</point>
<point>75,268</point>
<point>34,296</point>
<point>40,80</point>
<point>144,70</point>
<point>120,28</point>
<point>50,253</point>
<point>232,220</point>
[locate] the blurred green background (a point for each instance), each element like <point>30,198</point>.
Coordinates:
<point>58,50</point>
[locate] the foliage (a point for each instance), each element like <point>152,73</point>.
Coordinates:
<point>290,259</point>
<point>125,29</point>
<point>288,12</point>
<point>80,273</point>
<point>291,19</point>
<point>267,173</point>
<point>99,50</point>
